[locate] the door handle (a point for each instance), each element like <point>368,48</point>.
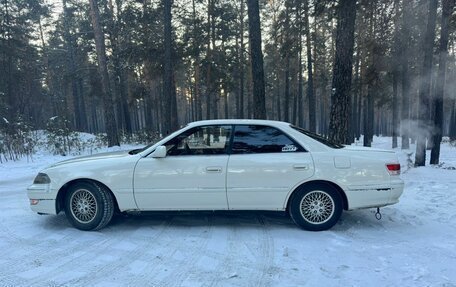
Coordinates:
<point>301,166</point>
<point>213,169</point>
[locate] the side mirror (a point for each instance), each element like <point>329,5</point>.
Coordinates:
<point>159,152</point>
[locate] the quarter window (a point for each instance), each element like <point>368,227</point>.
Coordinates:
<point>261,139</point>
<point>207,140</point>
<point>318,138</point>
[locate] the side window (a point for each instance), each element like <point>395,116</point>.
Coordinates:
<point>261,139</point>
<point>208,140</point>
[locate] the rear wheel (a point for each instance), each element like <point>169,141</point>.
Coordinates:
<point>88,206</point>
<point>316,207</point>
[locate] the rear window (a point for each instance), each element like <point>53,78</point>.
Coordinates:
<point>318,138</point>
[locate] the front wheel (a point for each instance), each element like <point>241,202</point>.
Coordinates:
<point>88,206</point>
<point>316,207</point>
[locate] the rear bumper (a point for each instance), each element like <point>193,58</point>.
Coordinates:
<point>396,191</point>
<point>374,196</point>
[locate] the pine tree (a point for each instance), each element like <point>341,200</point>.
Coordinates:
<point>256,53</point>
<point>169,89</point>
<point>447,8</point>
<point>425,85</point>
<point>342,72</point>
<point>110,120</point>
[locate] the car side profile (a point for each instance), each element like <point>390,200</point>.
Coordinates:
<point>223,165</point>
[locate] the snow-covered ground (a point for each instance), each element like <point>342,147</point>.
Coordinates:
<point>413,245</point>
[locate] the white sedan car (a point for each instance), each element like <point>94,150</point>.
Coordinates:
<point>223,165</point>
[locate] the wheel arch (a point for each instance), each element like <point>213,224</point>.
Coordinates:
<point>317,182</point>
<point>63,190</point>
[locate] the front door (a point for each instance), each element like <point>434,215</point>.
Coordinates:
<point>191,177</point>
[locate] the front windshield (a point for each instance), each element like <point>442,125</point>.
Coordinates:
<point>138,150</point>
<point>156,140</point>
<point>318,138</point>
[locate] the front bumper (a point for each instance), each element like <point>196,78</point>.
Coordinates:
<point>42,198</point>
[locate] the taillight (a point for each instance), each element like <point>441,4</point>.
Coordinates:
<point>393,168</point>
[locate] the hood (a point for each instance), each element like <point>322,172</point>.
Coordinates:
<point>104,155</point>
<point>363,148</point>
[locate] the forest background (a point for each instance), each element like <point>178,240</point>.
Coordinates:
<point>139,69</point>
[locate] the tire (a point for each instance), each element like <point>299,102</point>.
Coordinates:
<point>316,207</point>
<point>88,206</point>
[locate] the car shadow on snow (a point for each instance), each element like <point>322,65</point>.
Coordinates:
<point>181,219</point>
<point>55,222</point>
<point>185,219</point>
<point>357,219</point>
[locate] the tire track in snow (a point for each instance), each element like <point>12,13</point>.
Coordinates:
<point>44,271</point>
<point>192,254</point>
<point>158,254</point>
<point>37,248</point>
<point>69,260</point>
<point>98,275</point>
<point>70,255</point>
<point>266,265</point>
<point>224,260</point>
<point>153,260</point>
<point>187,254</point>
<point>231,269</point>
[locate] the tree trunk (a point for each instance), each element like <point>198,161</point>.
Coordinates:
<point>357,96</point>
<point>123,84</point>
<point>10,97</point>
<point>395,73</point>
<point>225,101</point>
<point>310,85</point>
<point>452,131</point>
<point>342,72</point>
<point>371,76</point>
<point>196,94</point>
<point>241,65</point>
<point>294,108</point>
<point>259,111</point>
<point>287,47</point>
<point>215,91</point>
<point>405,74</point>
<point>300,86</point>
<point>109,114</point>
<point>425,85</point>
<point>369,109</point>
<point>209,62</point>
<point>286,107</point>
<point>169,89</point>
<point>300,103</point>
<point>123,113</point>
<point>447,8</point>
<point>363,64</point>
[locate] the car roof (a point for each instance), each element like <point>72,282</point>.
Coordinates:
<point>239,122</point>
<point>310,143</point>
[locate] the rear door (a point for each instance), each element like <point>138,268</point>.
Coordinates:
<point>264,166</point>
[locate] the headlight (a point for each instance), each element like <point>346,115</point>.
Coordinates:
<point>42,178</point>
